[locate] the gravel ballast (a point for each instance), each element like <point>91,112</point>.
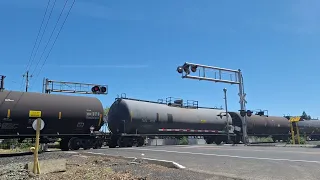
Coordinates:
<point>88,166</point>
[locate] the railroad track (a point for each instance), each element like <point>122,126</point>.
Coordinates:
<point>25,153</point>
<point>15,154</point>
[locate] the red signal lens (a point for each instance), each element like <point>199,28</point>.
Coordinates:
<point>95,89</point>
<point>194,68</point>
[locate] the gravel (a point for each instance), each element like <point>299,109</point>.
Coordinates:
<point>89,166</point>
<point>29,158</point>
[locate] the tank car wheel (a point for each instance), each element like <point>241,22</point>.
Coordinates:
<point>74,143</point>
<point>218,141</point>
<point>129,143</point>
<point>209,141</point>
<point>112,146</point>
<point>87,144</point>
<point>140,142</point>
<point>113,142</point>
<point>122,142</point>
<point>98,144</point>
<point>236,139</point>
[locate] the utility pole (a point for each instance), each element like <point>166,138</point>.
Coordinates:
<point>227,116</point>
<point>27,80</point>
<point>2,82</point>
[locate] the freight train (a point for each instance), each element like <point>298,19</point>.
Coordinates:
<point>78,119</point>
<point>70,118</point>
<point>175,118</point>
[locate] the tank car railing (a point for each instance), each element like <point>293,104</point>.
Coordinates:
<point>124,96</point>
<point>260,112</point>
<point>178,102</point>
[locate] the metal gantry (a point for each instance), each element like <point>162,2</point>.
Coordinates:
<point>235,78</point>
<point>73,87</point>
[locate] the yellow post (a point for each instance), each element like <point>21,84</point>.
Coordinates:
<point>298,134</point>
<point>36,165</point>
<point>292,133</point>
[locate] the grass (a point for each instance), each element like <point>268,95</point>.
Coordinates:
<point>184,141</point>
<point>261,139</point>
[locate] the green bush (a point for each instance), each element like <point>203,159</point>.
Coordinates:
<point>261,139</point>
<point>266,139</point>
<point>184,141</point>
<point>13,143</point>
<point>302,140</point>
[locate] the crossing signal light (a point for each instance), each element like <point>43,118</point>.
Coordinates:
<point>194,68</point>
<point>103,89</point>
<point>242,113</point>
<point>99,89</point>
<point>180,69</point>
<point>186,68</point>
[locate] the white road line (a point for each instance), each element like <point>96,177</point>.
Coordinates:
<point>179,166</point>
<point>71,152</point>
<point>257,150</point>
<point>219,155</point>
<point>96,153</point>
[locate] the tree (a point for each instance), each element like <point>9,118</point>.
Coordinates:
<point>106,110</point>
<point>305,116</point>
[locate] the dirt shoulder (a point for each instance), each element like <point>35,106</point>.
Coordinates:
<point>88,166</point>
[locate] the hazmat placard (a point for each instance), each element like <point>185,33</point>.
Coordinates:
<point>34,114</point>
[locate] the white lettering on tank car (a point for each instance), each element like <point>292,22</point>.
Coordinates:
<point>8,100</point>
<point>92,115</point>
<point>80,124</point>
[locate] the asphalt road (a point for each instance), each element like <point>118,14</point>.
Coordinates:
<point>235,161</point>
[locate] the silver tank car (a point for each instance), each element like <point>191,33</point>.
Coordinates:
<point>310,128</point>
<point>264,126</point>
<point>61,114</point>
<point>146,117</point>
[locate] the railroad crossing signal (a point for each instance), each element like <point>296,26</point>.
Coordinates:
<point>295,119</point>
<point>99,89</point>
<point>186,68</point>
<point>243,98</point>
<point>243,113</point>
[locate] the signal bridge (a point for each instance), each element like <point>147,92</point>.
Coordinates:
<point>73,87</point>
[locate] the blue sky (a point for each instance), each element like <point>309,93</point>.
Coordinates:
<point>135,47</point>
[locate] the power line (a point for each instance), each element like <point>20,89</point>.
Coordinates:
<point>35,43</point>
<point>38,35</point>
<point>50,36</point>
<point>21,84</point>
<point>55,38</point>
<point>54,3</point>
